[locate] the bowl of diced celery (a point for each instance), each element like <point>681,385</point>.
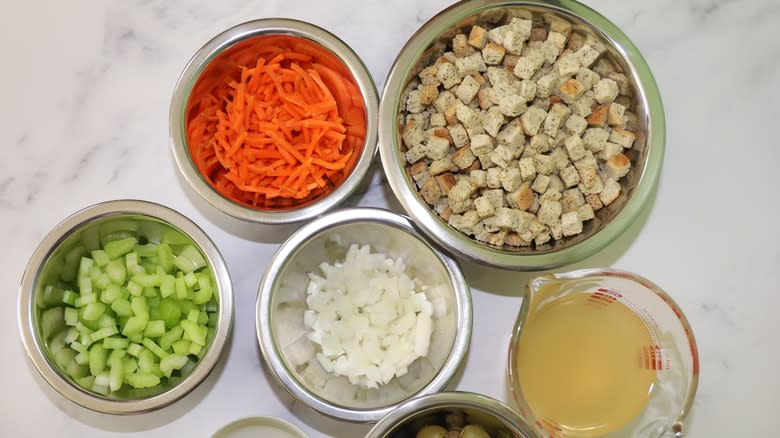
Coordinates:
<point>125,307</point>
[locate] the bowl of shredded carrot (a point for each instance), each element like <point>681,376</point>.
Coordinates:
<point>272,121</point>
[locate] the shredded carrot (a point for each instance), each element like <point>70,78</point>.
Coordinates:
<point>275,122</point>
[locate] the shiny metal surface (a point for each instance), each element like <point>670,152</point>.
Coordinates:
<point>230,38</point>
<point>281,302</point>
<point>495,416</point>
<point>84,225</point>
<point>646,155</point>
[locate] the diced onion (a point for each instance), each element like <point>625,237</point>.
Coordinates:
<point>368,317</point>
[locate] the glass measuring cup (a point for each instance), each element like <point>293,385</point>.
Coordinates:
<point>668,349</point>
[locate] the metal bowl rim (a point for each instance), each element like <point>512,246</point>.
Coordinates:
<point>465,246</point>
<point>73,223</point>
<point>226,39</point>
<point>272,356</point>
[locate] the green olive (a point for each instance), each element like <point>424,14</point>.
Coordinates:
<point>432,432</point>
<point>473,431</point>
<point>454,420</point>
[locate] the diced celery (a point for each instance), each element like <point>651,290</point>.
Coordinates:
<point>106,320</point>
<point>172,362</point>
<point>195,348</point>
<point>134,349</point>
<point>100,389</point>
<point>111,293</point>
<point>129,365</point>
<point>135,325</point>
<point>77,302</point>
<point>190,279</point>
<point>115,343</point>
<point>194,255</point>
<point>181,346</point>
<point>100,257</point>
<point>103,333</point>
<point>52,321</point>
<point>116,271</point>
<point>57,343</point>
<point>154,348</point>
<point>146,360</point>
<point>88,298</point>
<point>150,292</point>
<point>203,295</point>
<point>102,378</point>
<point>87,381</point>
<point>93,311</point>
<point>82,328</point>
<point>213,318</point>
<point>116,376</point>
<point>77,370</point>
<point>83,279</point>
<point>86,339</point>
<point>148,250</point>
<point>122,307</point>
<point>181,288</point>
<point>78,346</point>
<point>203,318</point>
<point>146,280</point>
<point>142,380</point>
<point>165,257</point>
<point>72,260</point>
<point>94,271</point>
<point>167,286</point>
<point>169,312</point>
<point>71,316</point>
<point>64,357</point>
<point>170,337</point>
<point>183,263</point>
<point>154,329</point>
<point>136,338</point>
<point>193,315</point>
<point>193,332</point>
<point>102,281</point>
<point>69,297</point>
<point>51,296</point>
<point>134,288</point>
<point>118,248</point>
<point>71,334</point>
<point>82,358</point>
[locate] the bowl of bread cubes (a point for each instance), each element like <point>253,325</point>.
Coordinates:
<point>521,134</point>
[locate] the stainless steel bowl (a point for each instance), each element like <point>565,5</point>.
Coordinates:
<point>244,33</point>
<point>281,303</point>
<point>496,417</point>
<point>84,227</point>
<point>647,154</point>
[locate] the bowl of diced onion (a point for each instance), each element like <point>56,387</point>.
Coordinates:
<point>357,313</point>
<point>125,307</point>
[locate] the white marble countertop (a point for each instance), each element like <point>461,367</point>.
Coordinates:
<point>86,90</point>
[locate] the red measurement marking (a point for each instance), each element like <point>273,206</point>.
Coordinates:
<point>611,292</point>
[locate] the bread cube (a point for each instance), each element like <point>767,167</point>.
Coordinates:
<point>610,192</point>
<point>546,85</point>
<point>585,212</point>
<point>595,139</point>
<point>587,55</point>
<point>575,147</point>
<point>513,43</point>
<point>549,212</point>
<point>567,66</point>
<point>598,116</point>
<point>583,106</point>
<point>512,105</point>
<point>477,37</point>
<point>493,53</point>
<point>532,119</point>
<point>606,90</point>
<point>413,103</point>
<point>431,191</point>
<point>571,90</point>
<point>555,118</point>
<point>481,144</point>
<point>544,164</point>
<point>510,179</point>
<point>622,137</point>
<point>618,166</point>
<point>497,34</point>
<point>507,217</point>
<point>540,184</point>
<point>527,169</point>
<point>610,150</point>
<point>448,75</point>
<point>437,148</point>
<point>467,89</point>
<point>588,77</point>
<point>437,119</point>
<point>460,46</point>
<point>550,52</point>
<point>440,166</point>
<point>511,135</point>
<point>575,125</point>
<point>521,26</point>
<point>570,177</point>
<point>467,116</point>
<point>615,114</point>
<point>571,225</point>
